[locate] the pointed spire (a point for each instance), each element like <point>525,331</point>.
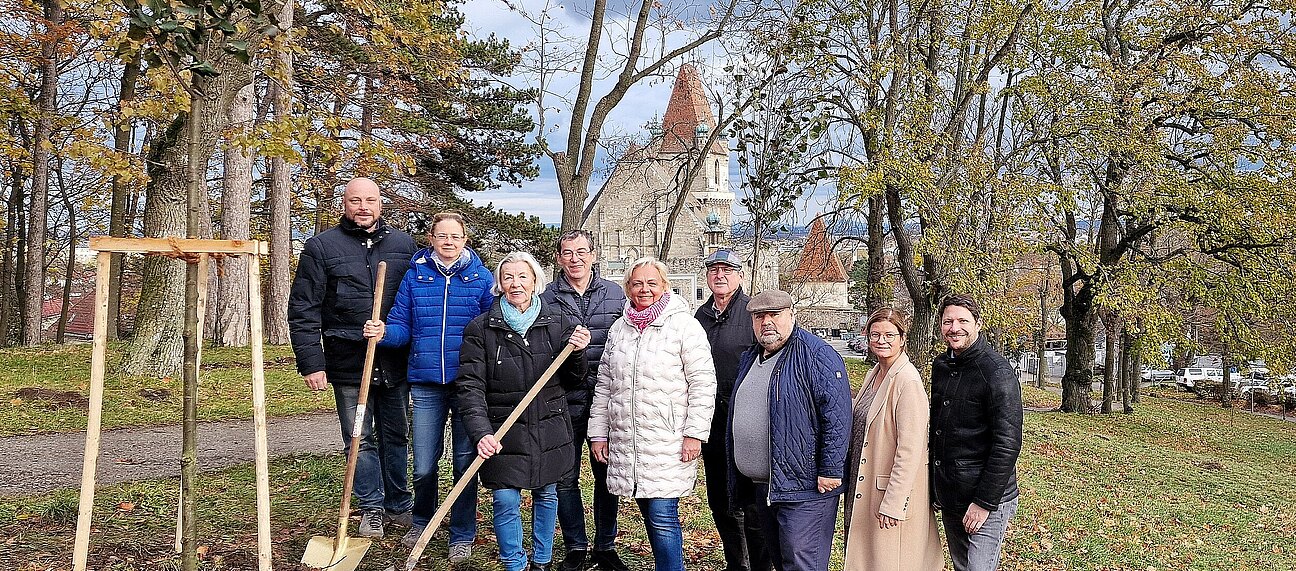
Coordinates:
<point>818,263</point>
<point>688,108</point>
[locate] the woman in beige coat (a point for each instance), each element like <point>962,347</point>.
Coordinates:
<point>890,525</point>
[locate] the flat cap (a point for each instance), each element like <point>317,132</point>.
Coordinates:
<point>723,257</point>
<point>769,300</point>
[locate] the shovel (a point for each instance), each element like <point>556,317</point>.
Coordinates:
<point>344,553</point>
<point>477,462</point>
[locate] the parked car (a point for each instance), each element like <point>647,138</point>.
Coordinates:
<point>1189,378</point>
<point>858,344</point>
<point>1157,376</point>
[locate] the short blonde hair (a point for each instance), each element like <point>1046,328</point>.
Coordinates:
<point>536,271</point>
<point>646,261</point>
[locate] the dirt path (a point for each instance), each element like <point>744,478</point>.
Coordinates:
<point>44,462</point>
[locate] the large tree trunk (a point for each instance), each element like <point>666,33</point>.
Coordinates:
<point>875,297</point>
<point>236,218</point>
<point>9,301</point>
<point>280,199</point>
<point>46,106</point>
<point>1081,320</point>
<point>157,346</point>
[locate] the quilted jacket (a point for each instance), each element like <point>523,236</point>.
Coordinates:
<point>605,301</point>
<point>810,421</point>
<point>431,311</point>
<point>654,388</point>
<point>497,368</point>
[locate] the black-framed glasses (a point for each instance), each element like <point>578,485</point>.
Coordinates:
<point>888,337</point>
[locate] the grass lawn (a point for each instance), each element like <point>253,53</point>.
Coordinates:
<point>45,389</point>
<point>1175,486</point>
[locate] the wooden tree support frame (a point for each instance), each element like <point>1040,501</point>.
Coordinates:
<point>198,252</point>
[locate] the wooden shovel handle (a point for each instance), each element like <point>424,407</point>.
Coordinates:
<point>357,425</point>
<point>477,462</point>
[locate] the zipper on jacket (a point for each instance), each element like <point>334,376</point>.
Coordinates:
<point>634,416</point>
<point>769,489</point>
<point>445,307</point>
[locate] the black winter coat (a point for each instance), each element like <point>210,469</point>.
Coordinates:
<point>604,301</point>
<point>975,430</point>
<point>496,369</point>
<point>332,297</point>
<point>730,333</point>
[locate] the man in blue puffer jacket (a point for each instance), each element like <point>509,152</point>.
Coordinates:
<point>445,288</point>
<point>789,429</point>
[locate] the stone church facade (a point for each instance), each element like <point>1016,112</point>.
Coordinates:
<point>628,216</point>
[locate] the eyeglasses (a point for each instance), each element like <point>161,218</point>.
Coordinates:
<point>889,337</point>
<point>719,269</point>
<point>454,237</point>
<point>573,254</point>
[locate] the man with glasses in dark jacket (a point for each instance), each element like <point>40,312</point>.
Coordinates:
<point>728,329</point>
<point>331,297</point>
<point>975,438</point>
<point>595,303</point>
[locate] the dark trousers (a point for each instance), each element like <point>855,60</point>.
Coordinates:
<point>741,535</point>
<point>380,478</point>
<point>571,506</point>
<point>800,533</point>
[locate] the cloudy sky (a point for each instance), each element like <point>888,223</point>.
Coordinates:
<point>644,102</point>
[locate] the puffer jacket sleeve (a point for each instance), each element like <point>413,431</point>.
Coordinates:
<point>397,331</point>
<point>470,382</point>
<point>832,398</point>
<point>305,310</point>
<point>699,373</point>
<point>911,412</point>
<point>572,373</point>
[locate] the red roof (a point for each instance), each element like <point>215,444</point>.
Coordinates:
<point>688,108</point>
<point>818,263</point>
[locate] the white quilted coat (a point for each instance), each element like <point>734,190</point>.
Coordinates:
<point>654,388</point>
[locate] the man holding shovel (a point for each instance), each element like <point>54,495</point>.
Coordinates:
<point>332,296</point>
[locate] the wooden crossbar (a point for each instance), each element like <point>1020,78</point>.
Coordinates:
<point>177,246</point>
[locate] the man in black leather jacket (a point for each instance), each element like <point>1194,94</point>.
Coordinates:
<point>975,438</point>
<point>332,296</point>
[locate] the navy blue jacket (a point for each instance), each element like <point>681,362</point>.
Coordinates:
<point>810,421</point>
<point>605,302</point>
<point>432,310</point>
<point>332,297</point>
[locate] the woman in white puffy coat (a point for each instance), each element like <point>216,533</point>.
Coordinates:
<point>652,406</point>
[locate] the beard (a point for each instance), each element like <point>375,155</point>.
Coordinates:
<point>771,340</point>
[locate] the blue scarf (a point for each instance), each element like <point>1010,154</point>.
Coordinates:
<point>520,321</point>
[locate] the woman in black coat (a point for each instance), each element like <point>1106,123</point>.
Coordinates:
<point>504,352</point>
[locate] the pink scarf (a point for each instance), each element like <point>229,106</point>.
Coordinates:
<point>642,319</point>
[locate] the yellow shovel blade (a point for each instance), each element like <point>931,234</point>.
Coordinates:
<point>321,553</point>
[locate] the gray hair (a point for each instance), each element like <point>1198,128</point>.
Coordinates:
<point>646,261</point>
<point>530,260</point>
<point>572,235</point>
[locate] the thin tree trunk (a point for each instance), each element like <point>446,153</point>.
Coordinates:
<point>875,298</point>
<point>1110,372</point>
<point>280,199</point>
<point>1130,370</point>
<point>39,209</point>
<point>236,214</point>
<point>9,305</point>
<point>66,310</point>
<point>120,189</point>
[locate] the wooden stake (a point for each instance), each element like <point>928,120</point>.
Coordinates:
<point>94,419</point>
<point>259,413</point>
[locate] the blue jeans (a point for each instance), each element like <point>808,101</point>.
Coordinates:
<point>571,507</point>
<point>380,478</point>
<point>432,405</point>
<point>661,518</point>
<point>508,525</point>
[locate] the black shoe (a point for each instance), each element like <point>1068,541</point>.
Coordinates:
<point>575,560</point>
<point>608,561</point>
<point>539,566</point>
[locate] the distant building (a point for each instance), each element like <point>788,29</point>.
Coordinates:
<point>628,215</point>
<point>819,285</point>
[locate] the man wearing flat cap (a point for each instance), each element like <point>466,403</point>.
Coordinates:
<point>728,329</point>
<point>788,432</point>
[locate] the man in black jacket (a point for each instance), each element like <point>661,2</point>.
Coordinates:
<point>332,296</point>
<point>728,328</point>
<point>975,438</point>
<point>595,303</point>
